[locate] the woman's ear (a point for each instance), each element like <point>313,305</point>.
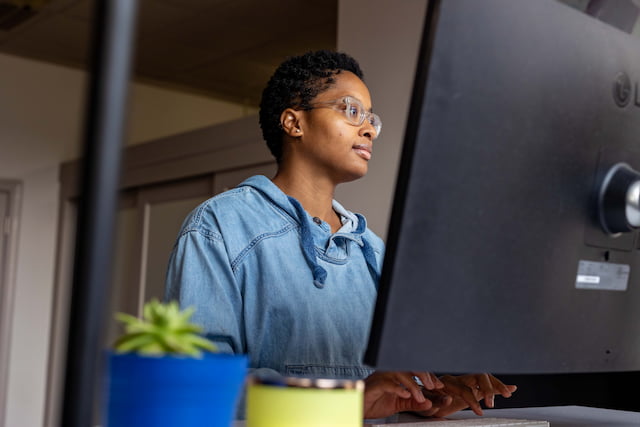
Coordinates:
<point>289,119</point>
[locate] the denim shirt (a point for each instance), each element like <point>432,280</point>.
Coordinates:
<point>269,281</point>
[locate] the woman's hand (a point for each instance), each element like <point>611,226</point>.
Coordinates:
<point>466,391</point>
<point>387,393</point>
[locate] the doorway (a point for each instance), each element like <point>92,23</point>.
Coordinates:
<point>161,182</point>
<point>10,197</point>
<point>148,223</point>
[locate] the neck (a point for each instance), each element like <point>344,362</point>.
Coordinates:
<point>314,194</point>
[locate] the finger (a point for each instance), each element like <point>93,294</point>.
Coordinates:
<point>470,399</point>
<point>413,406</point>
<point>429,380</point>
<point>442,405</point>
<point>486,389</point>
<point>386,382</point>
<point>445,402</point>
<point>396,388</point>
<point>406,379</point>
<point>502,388</point>
<point>454,387</point>
<point>439,400</point>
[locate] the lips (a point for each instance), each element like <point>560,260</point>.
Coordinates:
<point>363,150</point>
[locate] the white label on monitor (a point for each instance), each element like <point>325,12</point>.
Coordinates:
<point>604,276</point>
<point>588,279</point>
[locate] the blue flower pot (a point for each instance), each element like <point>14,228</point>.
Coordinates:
<point>173,391</point>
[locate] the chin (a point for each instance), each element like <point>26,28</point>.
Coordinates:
<point>355,174</point>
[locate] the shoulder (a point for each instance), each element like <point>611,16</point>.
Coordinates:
<point>242,208</point>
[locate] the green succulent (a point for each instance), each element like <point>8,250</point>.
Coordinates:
<point>163,329</point>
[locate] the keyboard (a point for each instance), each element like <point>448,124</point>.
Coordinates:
<point>471,422</point>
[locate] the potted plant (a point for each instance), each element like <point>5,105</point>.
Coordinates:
<point>163,373</point>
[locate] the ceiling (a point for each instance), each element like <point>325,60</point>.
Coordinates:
<point>224,49</point>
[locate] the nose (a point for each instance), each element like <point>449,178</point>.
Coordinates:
<point>368,131</point>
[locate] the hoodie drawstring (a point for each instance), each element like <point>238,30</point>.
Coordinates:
<point>370,258</point>
<point>308,247</point>
<point>367,250</point>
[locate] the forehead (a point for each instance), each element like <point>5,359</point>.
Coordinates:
<point>347,83</point>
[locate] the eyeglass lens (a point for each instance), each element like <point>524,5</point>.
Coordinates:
<point>356,113</point>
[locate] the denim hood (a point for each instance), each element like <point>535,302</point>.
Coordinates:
<point>354,227</point>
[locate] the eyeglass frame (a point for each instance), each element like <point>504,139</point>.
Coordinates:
<point>347,101</point>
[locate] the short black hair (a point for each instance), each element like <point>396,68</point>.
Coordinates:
<point>294,84</point>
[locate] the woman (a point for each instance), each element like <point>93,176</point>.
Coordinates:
<point>278,270</point>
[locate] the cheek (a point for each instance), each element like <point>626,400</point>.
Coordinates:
<point>341,131</point>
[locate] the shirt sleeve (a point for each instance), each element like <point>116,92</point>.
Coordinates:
<point>199,275</point>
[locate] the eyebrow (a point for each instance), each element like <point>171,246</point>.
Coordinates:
<point>362,103</point>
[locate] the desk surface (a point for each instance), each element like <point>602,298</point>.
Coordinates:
<point>558,416</point>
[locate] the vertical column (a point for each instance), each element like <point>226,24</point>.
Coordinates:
<point>106,108</point>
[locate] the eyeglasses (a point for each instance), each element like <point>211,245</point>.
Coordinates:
<point>353,110</point>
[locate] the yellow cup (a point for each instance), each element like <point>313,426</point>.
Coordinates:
<point>303,402</point>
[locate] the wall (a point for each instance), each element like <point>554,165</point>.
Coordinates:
<point>41,112</point>
<point>384,37</point>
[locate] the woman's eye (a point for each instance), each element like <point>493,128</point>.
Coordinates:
<point>353,111</point>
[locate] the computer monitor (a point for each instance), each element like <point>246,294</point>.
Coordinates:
<point>510,247</point>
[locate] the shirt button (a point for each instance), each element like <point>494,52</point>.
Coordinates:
<point>317,220</point>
